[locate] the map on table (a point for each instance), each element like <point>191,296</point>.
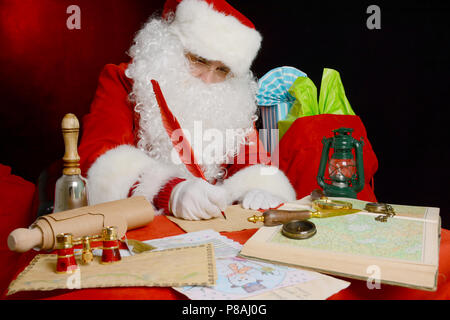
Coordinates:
<point>402,237</point>
<point>405,246</point>
<point>362,235</point>
<point>237,277</point>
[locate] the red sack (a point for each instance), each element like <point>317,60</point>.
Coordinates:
<point>300,151</point>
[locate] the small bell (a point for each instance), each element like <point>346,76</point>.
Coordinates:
<point>70,189</point>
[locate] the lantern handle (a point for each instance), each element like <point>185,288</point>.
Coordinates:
<point>323,162</point>
<point>359,164</point>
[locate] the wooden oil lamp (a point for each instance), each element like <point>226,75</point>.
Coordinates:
<point>346,174</point>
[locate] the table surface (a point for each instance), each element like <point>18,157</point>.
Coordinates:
<point>162,227</point>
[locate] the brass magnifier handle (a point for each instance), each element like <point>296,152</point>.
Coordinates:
<point>277,217</point>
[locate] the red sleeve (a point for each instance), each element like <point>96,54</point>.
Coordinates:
<point>161,200</point>
<point>110,121</point>
<point>253,153</point>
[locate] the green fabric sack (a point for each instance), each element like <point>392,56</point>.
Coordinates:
<point>332,99</point>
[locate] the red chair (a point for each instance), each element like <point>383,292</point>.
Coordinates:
<point>17,210</point>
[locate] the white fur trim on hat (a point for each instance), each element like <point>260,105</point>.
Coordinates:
<point>216,36</point>
<point>258,176</point>
<point>113,174</point>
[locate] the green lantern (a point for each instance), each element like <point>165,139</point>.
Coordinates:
<point>346,174</point>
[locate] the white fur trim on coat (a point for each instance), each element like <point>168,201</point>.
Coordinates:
<point>268,178</point>
<point>216,36</point>
<point>113,174</point>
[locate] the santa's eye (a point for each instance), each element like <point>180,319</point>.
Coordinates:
<point>201,61</point>
<point>224,70</point>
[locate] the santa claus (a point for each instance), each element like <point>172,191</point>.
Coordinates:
<point>200,52</point>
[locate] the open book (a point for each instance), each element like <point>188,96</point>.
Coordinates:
<point>402,251</point>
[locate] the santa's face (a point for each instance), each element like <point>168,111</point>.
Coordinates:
<point>209,71</point>
<point>200,96</point>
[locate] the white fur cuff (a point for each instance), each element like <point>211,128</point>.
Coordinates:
<point>268,178</point>
<point>115,172</point>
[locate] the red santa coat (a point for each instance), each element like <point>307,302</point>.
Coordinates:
<point>113,164</point>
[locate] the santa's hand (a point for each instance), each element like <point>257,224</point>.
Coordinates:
<point>259,199</point>
<point>196,199</point>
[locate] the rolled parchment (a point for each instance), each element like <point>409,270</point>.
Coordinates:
<point>125,214</point>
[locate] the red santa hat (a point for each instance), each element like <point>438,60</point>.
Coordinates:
<point>214,30</point>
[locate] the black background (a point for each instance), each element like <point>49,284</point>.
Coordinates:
<point>395,78</point>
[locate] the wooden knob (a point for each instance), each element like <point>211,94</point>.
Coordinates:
<point>22,240</point>
<point>70,130</point>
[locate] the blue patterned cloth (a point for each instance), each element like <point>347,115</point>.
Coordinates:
<point>275,101</point>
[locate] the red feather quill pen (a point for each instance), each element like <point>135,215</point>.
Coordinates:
<point>179,141</point>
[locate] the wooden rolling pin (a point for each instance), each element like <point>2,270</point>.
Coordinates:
<point>125,214</point>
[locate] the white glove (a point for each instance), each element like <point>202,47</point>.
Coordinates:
<point>259,199</point>
<point>197,199</point>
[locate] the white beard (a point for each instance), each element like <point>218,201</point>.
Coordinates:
<point>230,105</point>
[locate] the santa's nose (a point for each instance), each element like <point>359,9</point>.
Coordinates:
<point>209,76</point>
